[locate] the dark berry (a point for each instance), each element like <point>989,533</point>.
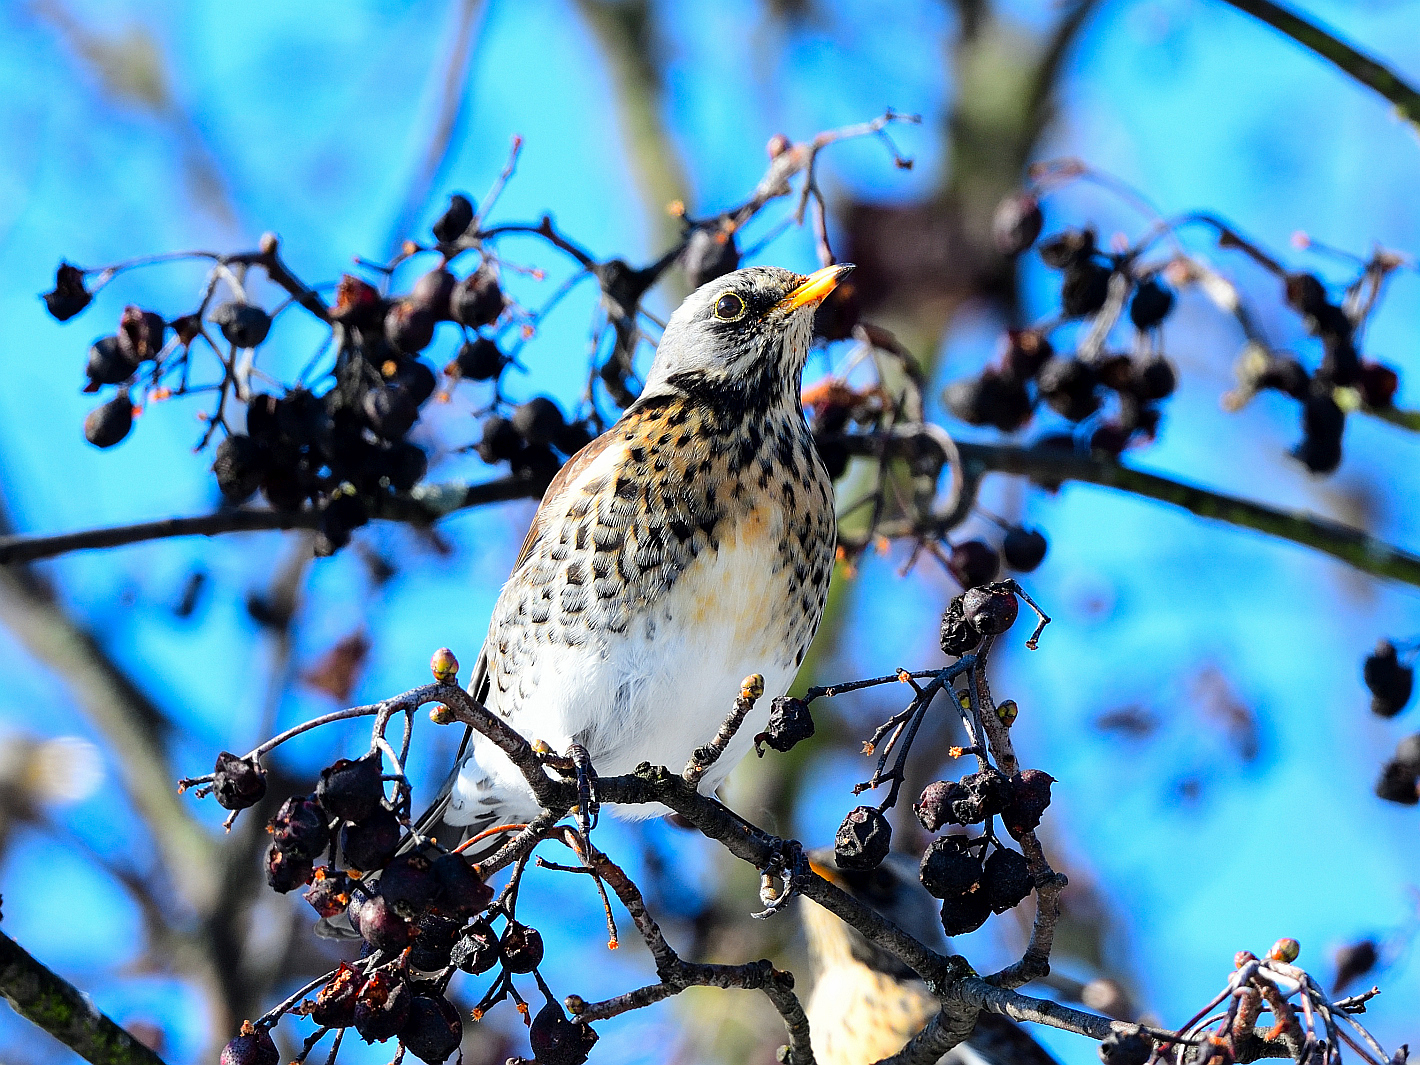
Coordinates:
<point>382,1007</point>
<point>477,950</point>
<point>571,438</point>
<point>958,637</point>
<point>1151,304</point>
<point>1068,386</point>
<point>352,790</point>
<point>1023,548</point>
<point>1322,425</point>
<point>431,293</point>
<point>978,796</point>
<point>341,515</point>
<point>838,314</point>
<point>1286,375</point>
<point>1030,796</point>
<point>1084,288</point>
<point>1109,438</point>
<point>1007,881</point>
<point>408,326</point>
<point>477,300</point>
<point>789,722</point>
<point>1305,294</point>
<point>140,334</point>
<point>538,421</point>
<point>990,609</point>
<point>434,936</point>
<point>1398,783</point>
<point>1354,961</point>
<point>1389,681</point>
<point>107,364</point>
<point>862,840</point>
<point>965,913</point>
<point>329,893</point>
<point>415,378</point>
<point>557,1041</point>
<point>521,948</point>
<point>1378,384</point>
<point>407,883</point>
<point>992,398</point>
<point>285,870</point>
<point>949,868</point>
<point>709,254</point>
<point>433,1031</point>
<point>239,467</point>
<point>455,220</point>
<point>1067,247</point>
<point>834,456</point>
<point>461,891</point>
<point>110,422</point>
<point>335,1003</point>
<point>537,462</point>
<point>237,782</point>
<point>934,807</point>
<point>1016,223</point>
<point>252,1047</point>
<point>243,324</point>
<point>478,360</point>
<point>974,562</point>
<point>372,841</point>
<point>1126,1048</point>
<point>390,411</point>
<point>358,303</point>
<point>405,465</point>
<point>1154,379</point>
<point>1027,352</point>
<point>300,827</point>
<point>380,925</point>
<point>1407,752</point>
<point>500,440</point>
<point>69,296</point>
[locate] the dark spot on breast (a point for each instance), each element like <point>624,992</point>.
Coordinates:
<point>627,488</point>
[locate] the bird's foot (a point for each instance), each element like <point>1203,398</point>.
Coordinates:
<point>782,878</point>
<point>588,804</point>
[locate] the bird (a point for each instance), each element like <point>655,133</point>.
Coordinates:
<point>865,1003</point>
<point>686,548</point>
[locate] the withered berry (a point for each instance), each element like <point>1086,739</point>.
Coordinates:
<point>407,883</point>
<point>538,421</point>
<point>243,324</point>
<point>1016,223</point>
<point>1151,304</point>
<point>834,456</point>
<point>573,437</point>
<point>1378,384</point>
<point>335,1003</point>
<point>107,364</point>
<point>1398,783</point>
<point>416,378</point>
<point>709,254</point>
<point>239,467</point>
<point>285,870</point>
<point>958,637</point>
<point>1390,682</point>
<point>1066,247</point>
<point>477,300</point>
<point>69,296</point>
<point>990,609</point>
<point>352,789</point>
<point>382,1007</point>
<point>477,360</point>
<point>1007,881</point>
<point>557,1041</point>
<point>1323,423</point>
<point>500,440</point>
<point>405,465</point>
<point>434,936</point>
<point>329,892</point>
<point>1068,386</point>
<point>1023,548</point>
<point>432,292</point>
<point>433,1031</point>
<point>521,947</point>
<point>1154,379</point>
<point>110,422</point>
<point>252,1047</point>
<point>1027,352</point>
<point>462,891</point>
<point>537,462</point>
<point>979,795</point>
<point>140,334</point>
<point>390,411</point>
<point>974,562</point>
<point>477,950</point>
<point>357,303</point>
<point>338,517</point>
<point>992,398</point>
<point>964,913</point>
<point>380,925</point>
<point>789,722</point>
<point>863,839</point>
<point>372,841</point>
<point>1354,961</point>
<point>455,220</point>
<point>300,827</point>
<point>1084,288</point>
<point>1126,1048</point>
<point>934,807</point>
<point>948,868</point>
<point>237,782</point>
<point>409,326</point>
<point>1030,796</point>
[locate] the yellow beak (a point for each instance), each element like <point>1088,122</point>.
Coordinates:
<point>815,287</point>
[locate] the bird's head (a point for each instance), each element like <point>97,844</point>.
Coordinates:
<point>893,890</point>
<point>742,337</point>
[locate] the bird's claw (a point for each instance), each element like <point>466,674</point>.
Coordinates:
<point>789,866</point>
<point>588,804</point>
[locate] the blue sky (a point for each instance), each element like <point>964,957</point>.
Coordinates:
<point>315,115</point>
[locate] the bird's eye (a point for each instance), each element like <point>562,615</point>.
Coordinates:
<point>729,307</point>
